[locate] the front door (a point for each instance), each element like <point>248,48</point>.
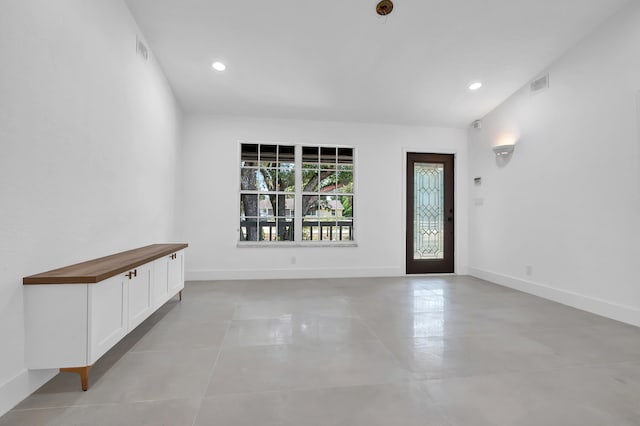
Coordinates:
<point>430,212</point>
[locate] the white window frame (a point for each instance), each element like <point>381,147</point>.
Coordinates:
<point>298,193</point>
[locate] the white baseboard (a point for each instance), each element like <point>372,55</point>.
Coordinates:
<point>267,274</point>
<point>21,386</point>
<point>622,313</point>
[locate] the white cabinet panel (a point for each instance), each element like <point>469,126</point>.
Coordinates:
<point>176,272</point>
<point>160,284</point>
<point>56,325</point>
<point>107,314</point>
<point>139,283</point>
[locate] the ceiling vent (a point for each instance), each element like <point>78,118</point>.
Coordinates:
<point>540,84</point>
<point>477,124</point>
<point>141,49</point>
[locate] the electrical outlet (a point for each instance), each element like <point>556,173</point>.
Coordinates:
<point>528,270</point>
<point>293,260</point>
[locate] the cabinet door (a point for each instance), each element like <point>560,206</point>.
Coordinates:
<point>176,272</point>
<point>107,314</point>
<point>56,324</point>
<point>160,285</point>
<point>139,283</point>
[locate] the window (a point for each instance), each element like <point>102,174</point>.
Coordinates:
<point>296,193</point>
<point>267,187</point>
<point>327,193</point>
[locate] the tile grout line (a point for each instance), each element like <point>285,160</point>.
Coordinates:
<point>366,324</point>
<point>393,355</point>
<point>441,412</point>
<point>215,363</point>
<point>100,404</point>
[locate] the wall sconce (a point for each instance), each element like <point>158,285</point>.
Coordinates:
<point>503,154</point>
<point>503,151</point>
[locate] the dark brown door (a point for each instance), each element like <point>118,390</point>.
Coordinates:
<point>430,212</point>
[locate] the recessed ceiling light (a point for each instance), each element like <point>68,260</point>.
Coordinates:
<point>475,86</point>
<point>219,66</point>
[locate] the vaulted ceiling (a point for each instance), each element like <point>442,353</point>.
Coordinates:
<point>339,60</point>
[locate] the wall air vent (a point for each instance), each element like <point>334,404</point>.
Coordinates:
<point>540,84</point>
<point>477,124</point>
<point>142,49</point>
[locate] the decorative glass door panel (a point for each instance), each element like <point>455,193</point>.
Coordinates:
<point>430,220</point>
<point>428,214</point>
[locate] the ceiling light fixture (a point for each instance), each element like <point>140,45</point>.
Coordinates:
<point>475,86</point>
<point>384,8</point>
<point>219,66</point>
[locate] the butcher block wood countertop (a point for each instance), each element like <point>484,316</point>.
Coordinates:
<point>96,270</point>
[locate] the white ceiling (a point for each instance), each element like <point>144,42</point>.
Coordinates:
<point>339,60</point>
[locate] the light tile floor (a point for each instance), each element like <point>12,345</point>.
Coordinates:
<point>376,351</point>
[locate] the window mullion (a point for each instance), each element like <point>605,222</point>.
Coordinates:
<point>298,195</point>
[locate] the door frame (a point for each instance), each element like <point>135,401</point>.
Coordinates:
<point>638,129</point>
<point>459,203</point>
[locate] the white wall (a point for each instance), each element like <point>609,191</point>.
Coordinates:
<point>567,204</point>
<point>209,214</point>
<point>88,145</point>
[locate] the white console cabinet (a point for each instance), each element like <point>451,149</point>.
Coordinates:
<point>75,314</point>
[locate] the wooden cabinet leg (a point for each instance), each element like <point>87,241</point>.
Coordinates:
<point>180,295</point>
<point>83,372</point>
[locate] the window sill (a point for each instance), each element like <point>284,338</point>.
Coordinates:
<point>310,244</point>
